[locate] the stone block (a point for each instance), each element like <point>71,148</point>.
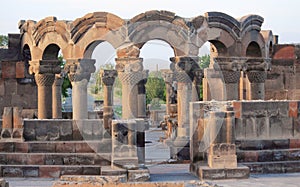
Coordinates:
<point>10,171</point>
<point>294,143</point>
<point>8,70</point>
<point>83,148</point>
<point>31,172</point>
<point>2,87</point>
<point>126,163</point>
<point>41,147</point>
<point>222,161</point>
<point>65,147</point>
<point>77,130</point>
<point>91,170</point>
<point>113,171</point>
<point>20,70</point>
<point>7,147</point>
<point>29,130</point>
<point>72,170</point>
<point>49,171</point>
<point>66,130</point>
<point>78,159</point>
<point>293,109</point>
<point>21,147</point>
<point>11,87</point>
<point>54,159</point>
<point>139,175</point>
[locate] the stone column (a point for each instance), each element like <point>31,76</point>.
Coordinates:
<point>56,97</point>
<point>108,78</point>
<point>130,72</point>
<point>79,72</point>
<point>45,71</point>
<point>257,74</point>
<point>230,70</point>
<point>197,82</point>
<point>18,123</point>
<point>7,122</point>
<point>168,77</point>
<point>142,96</point>
<point>184,65</point>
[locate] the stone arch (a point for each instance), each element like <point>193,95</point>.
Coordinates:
<point>51,52</point>
<point>268,37</point>
<point>96,27</point>
<point>253,39</point>
<point>160,25</point>
<point>253,50</point>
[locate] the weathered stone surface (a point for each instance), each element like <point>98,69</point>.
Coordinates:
<point>140,175</point>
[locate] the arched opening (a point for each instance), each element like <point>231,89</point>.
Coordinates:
<point>51,52</point>
<point>270,49</point>
<point>104,54</point>
<point>217,49</point>
<point>156,58</point>
<point>253,50</point>
<point>26,55</point>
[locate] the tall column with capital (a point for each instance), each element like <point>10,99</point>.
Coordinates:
<point>184,76</point>
<point>257,74</point>
<point>108,78</point>
<point>230,70</point>
<point>56,97</point>
<point>168,76</point>
<point>130,73</point>
<point>45,71</point>
<point>79,72</point>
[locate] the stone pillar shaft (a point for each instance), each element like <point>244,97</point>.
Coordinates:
<point>44,83</point>
<point>108,79</point>
<point>79,72</point>
<point>56,97</point>
<point>79,99</point>
<point>168,77</point>
<point>257,84</point>
<point>142,98</point>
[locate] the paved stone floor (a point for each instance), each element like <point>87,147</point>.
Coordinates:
<point>157,152</point>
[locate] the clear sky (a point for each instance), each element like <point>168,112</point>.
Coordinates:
<point>282,17</point>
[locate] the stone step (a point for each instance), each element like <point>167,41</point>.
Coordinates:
<point>268,155</point>
<point>267,144</point>
<point>273,167</point>
<point>55,159</point>
<point>103,146</point>
<point>47,171</point>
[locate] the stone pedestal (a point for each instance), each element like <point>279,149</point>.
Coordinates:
<point>108,79</point>
<point>18,127</point>
<point>45,71</point>
<point>124,149</point>
<point>7,123</point>
<point>79,72</point>
<point>56,97</point>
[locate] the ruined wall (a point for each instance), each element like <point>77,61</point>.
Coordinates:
<point>283,81</point>
<point>254,120</point>
<point>16,87</point>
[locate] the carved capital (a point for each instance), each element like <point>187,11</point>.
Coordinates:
<point>45,79</point>
<point>108,77</point>
<point>230,77</point>
<point>168,76</point>
<point>185,63</point>
<point>79,69</point>
<point>182,77</point>
<point>132,78</point>
<point>129,64</point>
<point>45,66</point>
<point>230,64</point>
<point>257,76</point>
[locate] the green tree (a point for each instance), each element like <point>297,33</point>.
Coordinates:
<point>3,40</point>
<point>66,83</point>
<point>204,61</point>
<point>155,88</point>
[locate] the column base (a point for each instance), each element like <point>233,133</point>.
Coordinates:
<point>179,149</point>
<point>6,133</point>
<point>204,172</point>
